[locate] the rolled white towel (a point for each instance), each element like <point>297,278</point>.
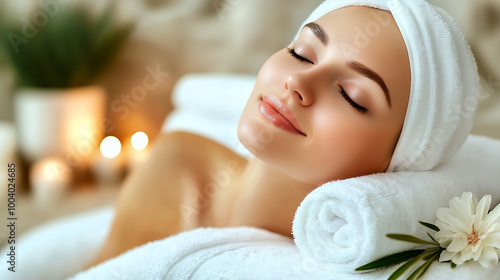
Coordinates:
<point>210,105</point>
<point>343,224</point>
<point>217,95</point>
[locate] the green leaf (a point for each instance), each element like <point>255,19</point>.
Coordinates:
<point>396,274</point>
<point>421,270</point>
<point>431,226</point>
<point>401,270</point>
<point>437,243</point>
<point>453,265</point>
<point>71,50</point>
<point>409,238</point>
<point>433,250</point>
<point>391,259</point>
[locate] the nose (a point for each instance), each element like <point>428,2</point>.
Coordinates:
<point>299,88</point>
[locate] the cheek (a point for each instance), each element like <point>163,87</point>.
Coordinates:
<point>347,148</point>
<point>273,71</point>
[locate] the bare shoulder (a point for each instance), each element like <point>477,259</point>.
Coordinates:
<point>210,184</point>
<point>151,203</point>
<point>192,149</point>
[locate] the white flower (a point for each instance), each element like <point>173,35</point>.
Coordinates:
<point>468,232</point>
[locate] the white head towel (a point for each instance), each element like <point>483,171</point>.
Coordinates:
<point>444,81</point>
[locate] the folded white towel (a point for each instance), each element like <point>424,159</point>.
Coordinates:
<point>355,203</point>
<point>62,248</point>
<point>208,253</point>
<point>210,104</point>
<point>342,224</point>
<point>239,253</point>
<point>444,81</point>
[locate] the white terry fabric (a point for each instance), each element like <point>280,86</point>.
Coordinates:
<point>444,81</point>
<point>62,248</point>
<point>239,253</point>
<point>59,250</point>
<point>206,253</point>
<point>343,224</point>
<point>210,104</point>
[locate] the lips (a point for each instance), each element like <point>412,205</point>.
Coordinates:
<point>282,117</point>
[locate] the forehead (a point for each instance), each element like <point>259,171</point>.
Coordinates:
<point>362,30</point>
<point>371,36</point>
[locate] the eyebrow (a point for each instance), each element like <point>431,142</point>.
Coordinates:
<point>318,31</point>
<point>354,65</point>
<point>370,74</point>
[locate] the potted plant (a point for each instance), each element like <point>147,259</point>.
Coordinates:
<point>57,52</point>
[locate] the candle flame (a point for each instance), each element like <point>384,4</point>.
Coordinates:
<point>110,147</point>
<point>139,140</point>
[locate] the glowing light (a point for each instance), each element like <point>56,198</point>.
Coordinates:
<point>139,140</point>
<point>51,170</point>
<point>110,147</point>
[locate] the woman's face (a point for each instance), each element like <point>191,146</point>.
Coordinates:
<point>332,104</point>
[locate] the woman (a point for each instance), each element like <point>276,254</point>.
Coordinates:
<point>339,102</point>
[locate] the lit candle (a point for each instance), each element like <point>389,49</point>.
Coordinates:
<point>139,140</point>
<point>107,165</point>
<point>7,156</point>
<point>50,180</point>
<point>138,150</point>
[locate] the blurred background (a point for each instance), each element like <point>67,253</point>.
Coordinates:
<point>85,85</point>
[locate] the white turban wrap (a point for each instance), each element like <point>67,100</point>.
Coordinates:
<point>444,81</point>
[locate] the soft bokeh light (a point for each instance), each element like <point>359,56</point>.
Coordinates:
<point>139,140</point>
<point>110,147</point>
<point>50,180</point>
<point>51,170</point>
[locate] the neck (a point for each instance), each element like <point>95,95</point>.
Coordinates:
<point>268,198</point>
<point>261,175</point>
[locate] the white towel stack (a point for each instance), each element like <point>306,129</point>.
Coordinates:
<point>210,104</point>
<point>339,226</point>
<point>343,224</point>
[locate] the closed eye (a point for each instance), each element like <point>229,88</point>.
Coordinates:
<point>355,105</point>
<point>297,56</point>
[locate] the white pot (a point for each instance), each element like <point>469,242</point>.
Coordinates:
<point>64,123</point>
<point>7,161</point>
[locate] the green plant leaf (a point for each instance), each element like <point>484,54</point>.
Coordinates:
<point>432,250</point>
<point>428,264</point>
<point>409,238</point>
<point>421,270</point>
<point>431,226</point>
<point>437,243</point>
<point>391,259</point>
<point>402,269</point>
<point>453,265</point>
<point>71,50</point>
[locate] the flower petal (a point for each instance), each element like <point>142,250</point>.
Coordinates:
<point>446,256</point>
<point>458,243</point>
<point>458,259</point>
<point>445,233</point>
<point>493,216</point>
<point>488,257</point>
<point>442,226</point>
<point>476,251</point>
<point>493,240</point>
<point>456,224</point>
<point>464,205</point>
<point>482,209</point>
